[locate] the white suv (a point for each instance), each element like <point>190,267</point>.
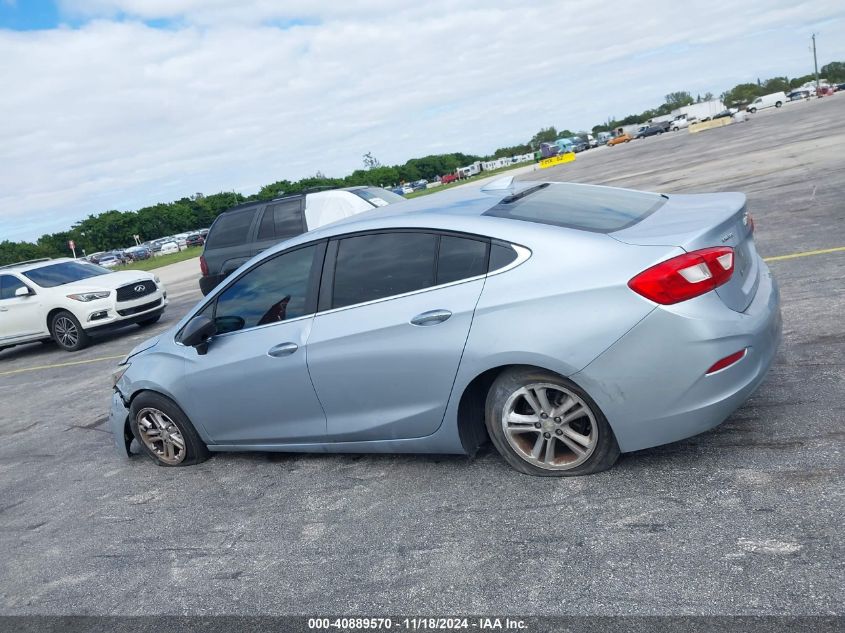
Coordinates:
<point>69,299</point>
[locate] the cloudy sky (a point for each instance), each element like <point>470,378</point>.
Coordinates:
<point>117,104</point>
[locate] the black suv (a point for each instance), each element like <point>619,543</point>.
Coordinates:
<point>243,231</point>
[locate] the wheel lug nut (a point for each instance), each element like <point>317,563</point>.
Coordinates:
<point>544,415</point>
<point>557,420</point>
<point>537,425</point>
<point>547,435</point>
<point>559,432</point>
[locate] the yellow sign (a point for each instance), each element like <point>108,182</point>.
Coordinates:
<point>557,160</point>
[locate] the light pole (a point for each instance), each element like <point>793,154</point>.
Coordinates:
<point>815,63</point>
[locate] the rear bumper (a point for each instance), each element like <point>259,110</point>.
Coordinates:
<point>651,384</point>
<point>210,282</point>
<point>118,416</point>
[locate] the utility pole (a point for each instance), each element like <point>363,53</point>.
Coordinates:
<point>815,63</point>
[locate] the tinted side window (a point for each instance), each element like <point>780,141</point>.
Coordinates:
<point>500,256</point>
<point>230,229</point>
<point>375,266</point>
<point>460,258</point>
<point>281,220</point>
<point>274,291</point>
<point>8,285</point>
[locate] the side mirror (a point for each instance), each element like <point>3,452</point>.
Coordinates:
<point>24,291</point>
<point>197,333</point>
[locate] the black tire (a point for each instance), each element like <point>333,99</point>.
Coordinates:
<point>194,451</point>
<point>604,450</point>
<point>67,332</point>
<point>752,110</point>
<point>151,321</point>
<point>778,104</point>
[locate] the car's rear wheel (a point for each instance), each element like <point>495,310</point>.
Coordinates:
<point>544,424</point>
<point>67,332</point>
<point>778,104</point>
<point>164,431</point>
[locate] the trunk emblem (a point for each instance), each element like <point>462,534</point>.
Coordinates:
<point>727,237</point>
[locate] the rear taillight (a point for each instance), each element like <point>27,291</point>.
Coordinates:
<point>203,266</point>
<point>685,276</point>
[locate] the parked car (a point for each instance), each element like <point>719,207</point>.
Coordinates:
<point>653,130</point>
<point>138,253</point>
<point>825,91</point>
<point>797,95</point>
<point>429,331</point>
<point>591,141</point>
<point>195,240</point>
<point>168,248</point>
<point>547,150</point>
<point>70,300</point>
<point>775,99</point>
<point>242,232</point>
<point>109,260</point>
<point>419,185</point>
<point>448,178</point>
<point>621,138</point>
<point>578,144</point>
<point>679,123</point>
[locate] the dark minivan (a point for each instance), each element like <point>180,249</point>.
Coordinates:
<point>243,231</point>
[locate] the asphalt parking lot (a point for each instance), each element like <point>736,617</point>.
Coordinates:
<point>745,519</point>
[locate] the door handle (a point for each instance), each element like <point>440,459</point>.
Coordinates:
<point>432,317</point>
<point>282,349</point>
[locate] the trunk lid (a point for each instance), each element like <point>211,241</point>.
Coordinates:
<point>699,221</point>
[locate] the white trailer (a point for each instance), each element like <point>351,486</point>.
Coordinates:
<point>699,111</point>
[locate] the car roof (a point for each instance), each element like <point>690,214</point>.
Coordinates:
<point>460,209</point>
<point>32,264</point>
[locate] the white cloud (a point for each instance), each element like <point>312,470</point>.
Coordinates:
<point>116,114</point>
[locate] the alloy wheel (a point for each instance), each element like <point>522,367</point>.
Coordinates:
<point>66,331</point>
<point>161,435</point>
<point>549,426</point>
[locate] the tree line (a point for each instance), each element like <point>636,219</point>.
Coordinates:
<point>115,229</point>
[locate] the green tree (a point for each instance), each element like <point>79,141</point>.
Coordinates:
<point>675,100</point>
<point>545,135</point>
<point>742,94</point>
<point>776,84</point>
<point>834,72</point>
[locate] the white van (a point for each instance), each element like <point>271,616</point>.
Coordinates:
<point>776,99</point>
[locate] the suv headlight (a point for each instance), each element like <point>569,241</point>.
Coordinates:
<point>157,280</point>
<point>89,296</point>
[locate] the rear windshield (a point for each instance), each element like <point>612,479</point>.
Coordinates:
<point>65,273</point>
<point>378,196</point>
<point>231,229</point>
<point>584,207</point>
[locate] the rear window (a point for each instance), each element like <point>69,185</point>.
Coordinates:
<point>230,229</point>
<point>584,207</point>
<point>377,196</point>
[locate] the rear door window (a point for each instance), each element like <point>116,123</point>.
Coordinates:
<point>370,267</point>
<point>231,229</point>
<point>460,258</point>
<point>282,220</point>
<point>584,207</point>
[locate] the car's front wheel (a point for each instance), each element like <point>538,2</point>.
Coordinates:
<point>67,332</point>
<point>164,431</point>
<point>544,424</point>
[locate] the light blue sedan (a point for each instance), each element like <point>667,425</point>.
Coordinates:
<point>567,323</point>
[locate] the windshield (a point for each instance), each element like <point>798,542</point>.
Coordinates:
<point>64,273</point>
<point>378,196</point>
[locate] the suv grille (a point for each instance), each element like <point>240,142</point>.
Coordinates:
<point>140,308</point>
<point>136,291</point>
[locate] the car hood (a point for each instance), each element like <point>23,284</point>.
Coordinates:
<point>141,347</point>
<point>111,281</point>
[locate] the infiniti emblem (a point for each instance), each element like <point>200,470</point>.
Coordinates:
<point>140,288</point>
